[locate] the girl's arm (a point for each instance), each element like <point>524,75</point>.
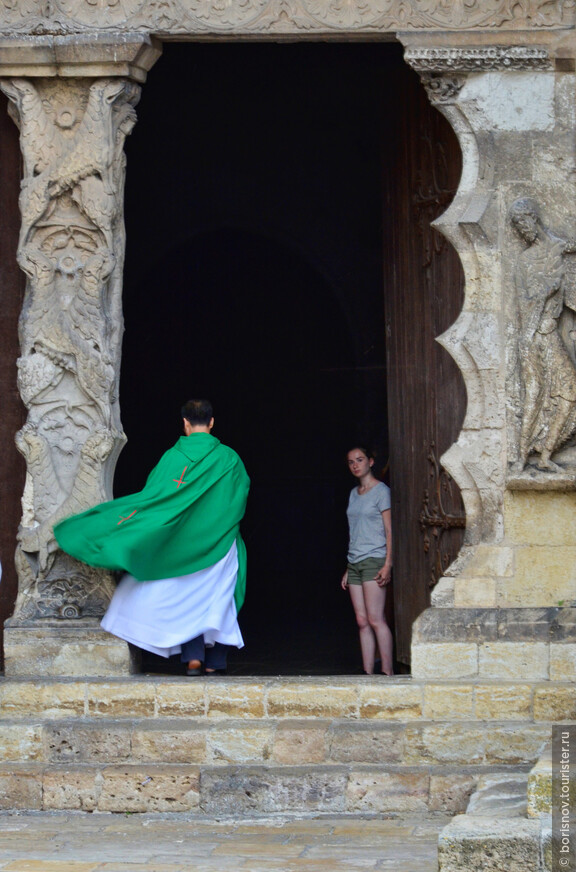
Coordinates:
<point>385,574</point>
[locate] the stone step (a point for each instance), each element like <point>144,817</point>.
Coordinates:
<point>485,844</point>
<point>366,745</point>
<point>355,698</point>
<point>280,742</point>
<point>540,786</point>
<point>495,833</point>
<point>225,790</point>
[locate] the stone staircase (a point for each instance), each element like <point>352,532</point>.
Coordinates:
<point>232,746</point>
<point>507,825</point>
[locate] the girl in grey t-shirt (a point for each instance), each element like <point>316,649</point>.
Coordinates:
<point>369,560</point>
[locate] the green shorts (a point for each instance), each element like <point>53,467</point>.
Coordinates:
<point>364,570</point>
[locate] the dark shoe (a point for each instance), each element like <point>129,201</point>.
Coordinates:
<point>210,672</point>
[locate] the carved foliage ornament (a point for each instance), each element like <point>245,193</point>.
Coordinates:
<point>481,58</point>
<point>442,89</point>
<point>281,16</point>
<point>71,248</point>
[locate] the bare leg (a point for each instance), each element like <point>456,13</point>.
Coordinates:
<point>367,639</point>
<point>375,600</point>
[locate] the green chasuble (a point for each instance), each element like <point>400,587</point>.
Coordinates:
<point>184,519</point>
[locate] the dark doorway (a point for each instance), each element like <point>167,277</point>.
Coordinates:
<point>254,276</point>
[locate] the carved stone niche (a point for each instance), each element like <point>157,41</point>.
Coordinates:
<point>71,247</point>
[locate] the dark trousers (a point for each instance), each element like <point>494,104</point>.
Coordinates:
<point>213,657</point>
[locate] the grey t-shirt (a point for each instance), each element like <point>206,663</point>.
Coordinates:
<point>367,535</point>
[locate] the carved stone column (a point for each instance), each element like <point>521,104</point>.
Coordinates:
<point>71,247</point>
<point>513,223</point>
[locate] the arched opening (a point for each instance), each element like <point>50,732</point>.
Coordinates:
<point>279,367</point>
<point>259,234</point>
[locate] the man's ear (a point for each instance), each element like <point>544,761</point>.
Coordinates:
<point>211,424</point>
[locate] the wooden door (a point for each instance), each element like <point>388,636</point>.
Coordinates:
<point>12,469</point>
<point>426,394</point>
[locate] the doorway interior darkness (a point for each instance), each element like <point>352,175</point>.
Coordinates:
<point>253,276</point>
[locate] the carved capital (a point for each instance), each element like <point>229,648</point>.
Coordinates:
<point>442,89</point>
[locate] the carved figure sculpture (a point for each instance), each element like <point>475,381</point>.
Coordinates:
<point>71,248</point>
<point>547,371</point>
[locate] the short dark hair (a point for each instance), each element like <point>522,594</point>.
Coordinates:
<point>197,412</point>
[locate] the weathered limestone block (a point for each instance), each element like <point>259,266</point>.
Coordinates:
<point>513,660</point>
<point>439,660</point>
<point>540,518</point>
<point>240,699</point>
<point>461,742</point>
<point>153,787</point>
<point>502,795</point>
<point>540,786</point>
<point>397,702</point>
<point>442,595</point>
<point>508,744</point>
<point>499,702</point>
<point>20,787</point>
<point>384,792</point>
<point>71,788</point>
<point>20,741</point>
<point>475,592</point>
<point>555,703</point>
<point>470,743</point>
<point>448,702</point>
<point>73,742</point>
<point>240,743</point>
<point>450,793</point>
<point>134,700</point>
<point>175,699</point>
<point>71,648</point>
<point>545,576</point>
<point>365,743</point>
<point>563,661</point>
<point>21,699</point>
<point>478,844</point>
<point>160,741</point>
<point>300,742</point>
<point>312,701</point>
<point>235,790</point>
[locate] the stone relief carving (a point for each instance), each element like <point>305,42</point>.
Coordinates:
<point>442,89</point>
<point>165,17</point>
<point>71,249</point>
<point>481,58</point>
<point>544,350</point>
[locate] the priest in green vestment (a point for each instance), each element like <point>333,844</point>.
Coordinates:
<point>179,542</point>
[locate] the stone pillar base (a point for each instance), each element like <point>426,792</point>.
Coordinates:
<point>52,648</point>
<point>530,644</point>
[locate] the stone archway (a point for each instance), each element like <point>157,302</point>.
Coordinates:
<point>505,79</point>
